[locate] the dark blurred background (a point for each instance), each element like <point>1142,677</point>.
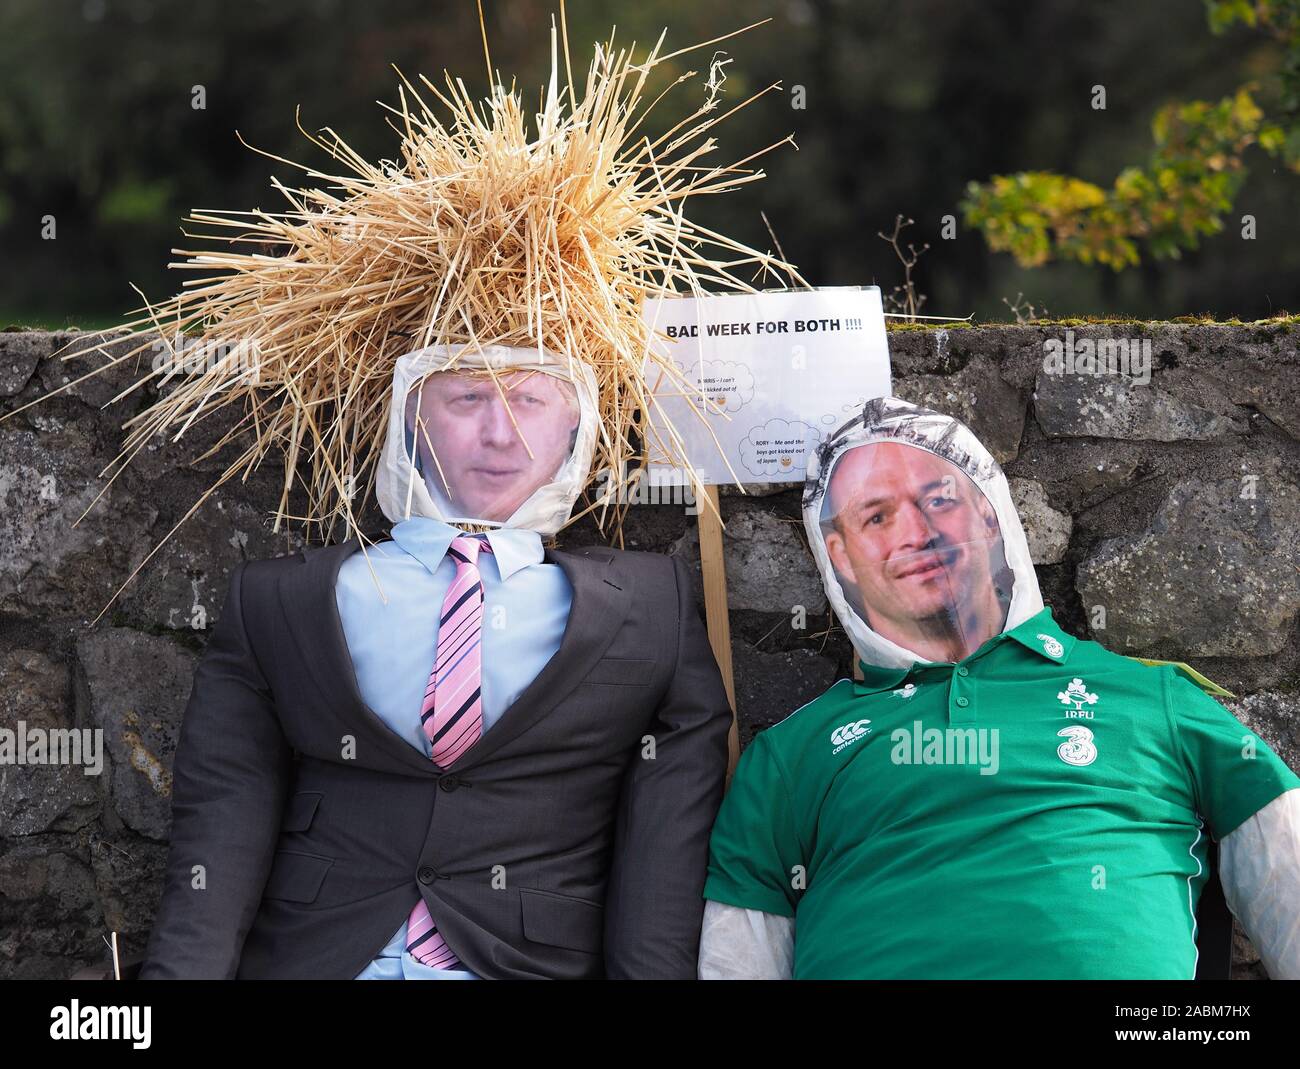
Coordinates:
<point>905,103</point>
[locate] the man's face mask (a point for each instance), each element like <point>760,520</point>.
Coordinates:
<point>917,540</point>
<point>482,445</point>
<point>917,548</point>
<point>503,437</point>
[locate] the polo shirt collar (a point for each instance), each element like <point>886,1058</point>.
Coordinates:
<point>874,678</point>
<point>1039,633</point>
<point>428,540</point>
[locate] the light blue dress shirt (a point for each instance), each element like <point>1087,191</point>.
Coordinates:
<point>525,610</point>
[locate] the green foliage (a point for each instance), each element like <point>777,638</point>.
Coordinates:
<point>1186,187</point>
<point>135,202</point>
<point>1280,136</point>
<point>898,105</point>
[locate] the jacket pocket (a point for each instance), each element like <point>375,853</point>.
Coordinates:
<point>621,672</point>
<point>300,809</point>
<point>562,920</point>
<point>296,877</point>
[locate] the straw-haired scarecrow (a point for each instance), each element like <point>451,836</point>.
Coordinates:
<point>460,752</point>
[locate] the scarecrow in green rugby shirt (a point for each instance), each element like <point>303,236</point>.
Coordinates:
<point>995,798</point>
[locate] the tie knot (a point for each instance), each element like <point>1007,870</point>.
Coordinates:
<point>466,548</point>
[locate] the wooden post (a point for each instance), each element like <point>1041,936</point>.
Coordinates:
<point>714,570</point>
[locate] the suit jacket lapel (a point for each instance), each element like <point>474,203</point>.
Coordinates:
<point>307,596</point>
<point>599,608</point>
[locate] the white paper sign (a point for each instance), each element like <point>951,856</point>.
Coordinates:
<point>781,371</point>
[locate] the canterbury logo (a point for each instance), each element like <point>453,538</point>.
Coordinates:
<point>848,734</point>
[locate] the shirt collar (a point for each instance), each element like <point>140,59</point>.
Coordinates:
<point>1039,633</point>
<point>875,678</point>
<point>428,540</point>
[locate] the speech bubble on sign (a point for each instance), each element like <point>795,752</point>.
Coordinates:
<point>778,447</point>
<point>727,384</point>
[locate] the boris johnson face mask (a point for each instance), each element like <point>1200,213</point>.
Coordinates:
<point>499,439</point>
<point>919,545</point>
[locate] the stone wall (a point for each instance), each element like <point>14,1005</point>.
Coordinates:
<point>1164,520</point>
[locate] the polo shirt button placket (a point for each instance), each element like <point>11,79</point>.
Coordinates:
<point>961,703</point>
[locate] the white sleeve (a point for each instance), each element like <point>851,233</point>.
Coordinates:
<point>745,944</point>
<point>1259,867</point>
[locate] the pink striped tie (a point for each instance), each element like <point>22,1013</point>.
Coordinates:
<point>452,712</point>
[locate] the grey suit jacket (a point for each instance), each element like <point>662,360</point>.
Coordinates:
<point>569,842</point>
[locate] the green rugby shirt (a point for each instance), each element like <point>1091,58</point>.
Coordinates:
<point>1039,809</point>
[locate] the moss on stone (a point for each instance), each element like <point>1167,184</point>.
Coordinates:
<point>1282,324</point>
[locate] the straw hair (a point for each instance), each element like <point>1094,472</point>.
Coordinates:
<point>486,229</point>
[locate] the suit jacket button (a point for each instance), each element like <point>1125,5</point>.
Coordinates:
<point>449,783</point>
<point>426,875</point>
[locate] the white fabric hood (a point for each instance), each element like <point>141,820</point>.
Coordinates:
<point>892,420</point>
<point>403,492</point>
